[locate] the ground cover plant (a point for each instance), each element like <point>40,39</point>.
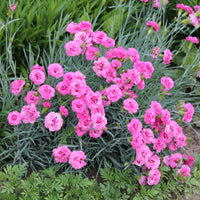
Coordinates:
<point>93,101</point>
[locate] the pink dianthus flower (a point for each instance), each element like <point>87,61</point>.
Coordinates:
<point>14,118</point>
<point>55,70</point>
<point>153,24</point>
<point>37,76</point>
<point>29,114</point>
<point>134,126</point>
<point>63,88</point>
<point>130,105</point>
<point>193,20</point>
<point>91,52</point>
<point>12,7</point>
<point>192,39</point>
<point>61,154</point>
<point>167,82</point>
<point>114,93</point>
<point>53,121</point>
<point>185,170</point>
<point>17,86</point>
<point>154,177</point>
<point>76,159</point>
<point>73,48</point>
<point>167,57</point>
<point>63,111</point>
<point>188,113</point>
<point>46,91</point>
<point>32,98</point>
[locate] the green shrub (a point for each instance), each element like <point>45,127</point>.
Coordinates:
<point>115,185</point>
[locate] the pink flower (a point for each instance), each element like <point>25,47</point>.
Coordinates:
<point>99,121</point>
<point>166,116</point>
<point>46,91</point>
<point>153,162</point>
<point>144,0</point>
<point>197,8</point>
<point>114,93</point>
<point>167,57</point>
<point>157,107</point>
<point>188,113</point>
<point>37,76</point>
<point>133,54</point>
<point>153,24</point>
<point>175,160</point>
<point>192,39</point>
<point>166,160</point>
<point>156,51</point>
<point>73,28</point>
<point>99,36</point>
<point>137,141</point>
<point>142,155</point>
<point>91,53</point>
<point>12,7</point>
<point>185,8</point>
<point>108,42</point>
<point>83,38</point>
<point>167,82</point>
<point>78,88</point>
<point>148,136</point>
<point>116,63</point>
<point>14,118</point>
<point>73,48</point>
<point>47,104</point>
<point>93,99</point>
<point>63,111</point>
<point>53,121</point>
<point>29,114</point>
<point>190,161</point>
<point>78,105</point>
<point>143,180</point>
<point>121,53</point>
<point>150,116</point>
<point>154,177</point>
<point>17,86</point>
<point>76,159</point>
<point>80,131</point>
<point>159,144</point>
<point>32,98</point>
<point>134,126</point>
<point>100,65</point>
<point>85,25</point>
<point>193,20</point>
<point>172,146</point>
<point>185,170</point>
<point>131,105</point>
<point>55,70</point>
<point>158,3</point>
<point>36,66</point>
<point>61,154</point>
<point>63,88</point>
<point>180,139</point>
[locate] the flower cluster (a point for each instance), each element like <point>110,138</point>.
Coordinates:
<point>161,131</point>
<point>193,15</point>
<point>192,39</point>
<point>164,133</point>
<point>183,162</point>
<point>76,158</point>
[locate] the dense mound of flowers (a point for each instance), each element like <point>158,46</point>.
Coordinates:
<point>160,132</point>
